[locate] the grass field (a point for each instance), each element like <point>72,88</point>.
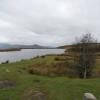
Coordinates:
<point>55,88</point>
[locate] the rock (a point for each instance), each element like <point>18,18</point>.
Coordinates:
<point>89,96</point>
<point>34,95</point>
<point>7,70</point>
<point>38,96</point>
<point>7,84</point>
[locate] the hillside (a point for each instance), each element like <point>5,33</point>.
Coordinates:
<point>35,46</point>
<point>65,47</point>
<point>96,45</point>
<point>16,83</point>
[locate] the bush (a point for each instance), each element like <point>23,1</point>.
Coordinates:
<point>57,59</point>
<point>42,56</point>
<point>54,69</point>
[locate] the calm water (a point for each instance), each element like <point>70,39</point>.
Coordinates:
<point>27,54</point>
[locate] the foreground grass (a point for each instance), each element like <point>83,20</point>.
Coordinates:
<point>56,88</point>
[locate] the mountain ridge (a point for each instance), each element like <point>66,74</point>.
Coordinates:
<point>35,46</point>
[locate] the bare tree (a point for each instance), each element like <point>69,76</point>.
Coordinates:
<point>84,55</point>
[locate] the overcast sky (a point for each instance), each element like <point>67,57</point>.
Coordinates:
<point>48,22</point>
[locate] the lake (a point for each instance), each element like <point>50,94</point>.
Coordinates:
<point>14,56</point>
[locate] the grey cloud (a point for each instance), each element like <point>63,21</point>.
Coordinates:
<point>47,22</point>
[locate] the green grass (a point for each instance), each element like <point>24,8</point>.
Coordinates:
<point>56,88</point>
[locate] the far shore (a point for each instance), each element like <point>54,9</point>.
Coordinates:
<point>19,49</point>
<point>11,49</point>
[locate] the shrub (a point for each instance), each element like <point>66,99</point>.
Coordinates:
<point>57,59</point>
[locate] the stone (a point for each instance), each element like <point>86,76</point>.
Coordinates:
<point>7,70</point>
<point>89,96</point>
<point>38,96</point>
<point>34,95</point>
<point>7,84</point>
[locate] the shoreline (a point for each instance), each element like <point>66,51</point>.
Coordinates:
<point>19,49</point>
<point>9,50</point>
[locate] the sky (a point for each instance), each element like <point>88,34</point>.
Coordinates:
<point>48,22</point>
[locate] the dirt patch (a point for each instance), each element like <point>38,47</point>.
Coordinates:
<point>38,96</point>
<point>7,84</point>
<point>35,95</point>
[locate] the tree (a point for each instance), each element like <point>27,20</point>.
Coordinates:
<point>84,55</point>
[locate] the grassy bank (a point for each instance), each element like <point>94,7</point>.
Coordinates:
<point>55,88</point>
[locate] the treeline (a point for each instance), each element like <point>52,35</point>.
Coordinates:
<point>77,47</point>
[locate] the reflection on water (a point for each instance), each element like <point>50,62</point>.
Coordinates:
<point>27,54</point>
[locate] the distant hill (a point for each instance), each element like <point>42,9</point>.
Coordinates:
<point>65,47</point>
<point>35,46</point>
<point>5,46</point>
<point>68,47</point>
